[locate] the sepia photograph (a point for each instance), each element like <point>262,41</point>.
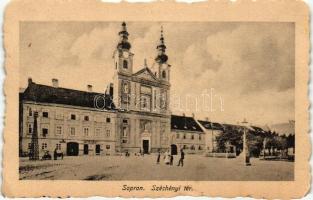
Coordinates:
<point>156,100</point>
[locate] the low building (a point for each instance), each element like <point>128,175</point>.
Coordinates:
<point>186,134</point>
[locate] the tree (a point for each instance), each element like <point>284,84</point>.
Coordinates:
<point>232,136</point>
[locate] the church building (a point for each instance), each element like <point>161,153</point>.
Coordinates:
<point>135,115</point>
<point>142,99</point>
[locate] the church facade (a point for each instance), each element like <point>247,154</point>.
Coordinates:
<point>134,117</point>
<point>142,99</point>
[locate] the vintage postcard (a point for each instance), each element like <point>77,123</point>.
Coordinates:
<point>156,99</point>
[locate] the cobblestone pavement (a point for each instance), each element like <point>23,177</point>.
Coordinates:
<point>197,167</point>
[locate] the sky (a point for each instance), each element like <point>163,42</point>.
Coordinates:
<point>226,71</point>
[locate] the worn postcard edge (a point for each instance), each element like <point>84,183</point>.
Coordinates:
<point>289,11</point>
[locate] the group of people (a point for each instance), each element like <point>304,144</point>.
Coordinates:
<point>169,158</point>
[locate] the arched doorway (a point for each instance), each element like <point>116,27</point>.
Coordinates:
<point>72,149</point>
<point>173,149</point>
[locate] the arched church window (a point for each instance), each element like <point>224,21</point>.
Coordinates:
<point>125,87</point>
<point>125,64</point>
<point>163,74</point>
<point>30,112</point>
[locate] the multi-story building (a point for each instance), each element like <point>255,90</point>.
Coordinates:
<point>186,134</point>
<point>67,120</point>
<point>132,115</point>
<point>212,130</point>
<point>135,116</point>
<point>142,99</point>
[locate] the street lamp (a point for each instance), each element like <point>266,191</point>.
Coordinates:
<point>212,137</point>
<point>34,150</point>
<point>245,149</point>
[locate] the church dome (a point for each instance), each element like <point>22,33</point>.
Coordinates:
<point>161,58</point>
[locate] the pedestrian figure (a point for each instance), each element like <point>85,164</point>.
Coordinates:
<point>167,157</point>
<point>181,159</point>
<point>171,159</point>
<point>158,159</point>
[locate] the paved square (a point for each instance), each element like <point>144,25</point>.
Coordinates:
<point>197,167</point>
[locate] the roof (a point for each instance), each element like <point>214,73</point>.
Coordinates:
<point>144,70</point>
<point>48,94</point>
<point>184,123</point>
<point>211,125</point>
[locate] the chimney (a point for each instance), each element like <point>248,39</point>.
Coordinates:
<point>30,80</point>
<point>184,115</point>
<point>55,82</point>
<point>89,88</point>
<point>193,115</point>
<point>207,119</point>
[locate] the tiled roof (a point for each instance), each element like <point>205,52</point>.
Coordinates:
<point>48,94</point>
<point>211,125</point>
<point>184,123</point>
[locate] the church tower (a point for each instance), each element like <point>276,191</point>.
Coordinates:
<point>123,57</point>
<point>123,63</point>
<point>162,68</point>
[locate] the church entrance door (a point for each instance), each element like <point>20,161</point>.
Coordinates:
<point>173,149</point>
<point>145,145</point>
<point>72,149</point>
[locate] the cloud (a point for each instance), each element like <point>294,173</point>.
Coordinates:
<point>261,56</point>
<point>249,65</point>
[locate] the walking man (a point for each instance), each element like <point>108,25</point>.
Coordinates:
<point>158,159</point>
<point>181,159</point>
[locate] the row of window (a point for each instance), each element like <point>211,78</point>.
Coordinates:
<point>72,131</point>
<point>45,114</point>
<point>192,147</point>
<point>185,136</point>
<point>44,146</point>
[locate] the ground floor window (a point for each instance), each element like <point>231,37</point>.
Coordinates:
<point>58,130</point>
<point>58,146</point>
<point>44,146</point>
<point>30,129</point>
<point>44,132</point>
<point>108,147</point>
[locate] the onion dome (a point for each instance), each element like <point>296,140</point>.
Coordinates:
<point>123,43</point>
<point>161,57</point>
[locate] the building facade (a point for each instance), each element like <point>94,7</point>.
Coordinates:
<point>186,134</point>
<point>142,99</point>
<point>212,130</point>
<point>132,115</point>
<point>67,121</point>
